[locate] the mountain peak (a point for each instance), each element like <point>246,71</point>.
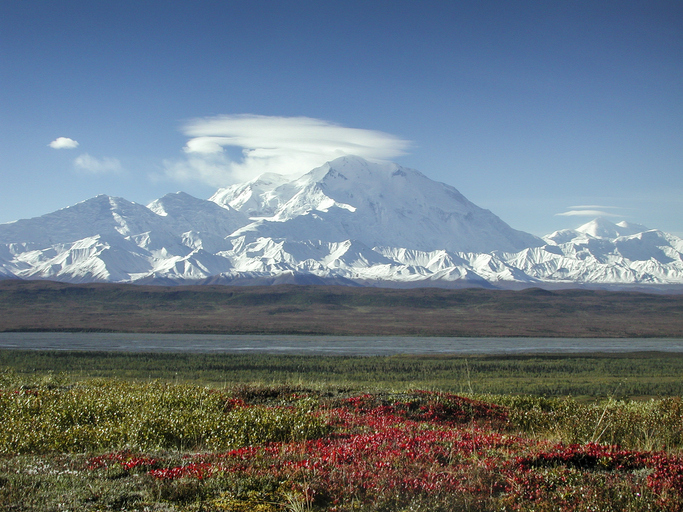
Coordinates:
<point>603,228</point>
<point>631,228</point>
<point>599,228</point>
<point>350,221</point>
<point>377,204</point>
<point>248,197</point>
<point>188,213</point>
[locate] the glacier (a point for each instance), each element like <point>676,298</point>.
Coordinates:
<point>349,222</point>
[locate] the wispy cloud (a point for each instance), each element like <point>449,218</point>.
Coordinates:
<point>63,143</point>
<point>285,145</point>
<point>588,212</point>
<point>212,169</point>
<point>93,165</point>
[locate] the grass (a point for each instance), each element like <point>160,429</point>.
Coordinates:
<point>589,375</point>
<point>109,444</point>
<point>210,432</point>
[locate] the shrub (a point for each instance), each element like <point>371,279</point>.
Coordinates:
<point>113,414</point>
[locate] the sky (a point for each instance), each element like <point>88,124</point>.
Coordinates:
<point>547,113</point>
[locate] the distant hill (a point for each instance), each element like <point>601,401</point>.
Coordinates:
<point>339,310</point>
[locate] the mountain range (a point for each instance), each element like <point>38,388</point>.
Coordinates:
<point>349,222</point>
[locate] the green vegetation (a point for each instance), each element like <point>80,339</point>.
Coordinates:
<point>655,424</point>
<point>588,375</point>
<point>107,444</point>
<point>225,433</point>
<point>106,414</point>
<point>265,433</point>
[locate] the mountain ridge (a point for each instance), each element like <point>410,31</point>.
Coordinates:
<point>349,221</point>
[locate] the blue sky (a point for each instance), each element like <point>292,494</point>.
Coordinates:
<point>530,109</point>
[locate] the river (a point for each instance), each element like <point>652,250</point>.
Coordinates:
<point>328,345</point>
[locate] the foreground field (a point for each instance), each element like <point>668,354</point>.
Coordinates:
<point>48,306</point>
<point>109,444</point>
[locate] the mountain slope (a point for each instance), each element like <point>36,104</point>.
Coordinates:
<point>187,213</point>
<point>101,215</point>
<point>347,222</point>
<point>376,204</point>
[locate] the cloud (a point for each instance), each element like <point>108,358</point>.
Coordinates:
<point>285,145</point>
<point>212,169</point>
<point>588,213</point>
<point>63,143</point>
<point>93,165</point>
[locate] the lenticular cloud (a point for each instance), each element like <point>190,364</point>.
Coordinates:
<point>284,145</point>
<point>587,213</point>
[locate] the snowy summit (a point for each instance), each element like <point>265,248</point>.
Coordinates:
<point>349,221</point>
<point>382,205</point>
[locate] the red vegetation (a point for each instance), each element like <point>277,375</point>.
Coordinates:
<point>440,447</point>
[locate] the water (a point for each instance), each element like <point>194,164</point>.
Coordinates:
<point>328,345</point>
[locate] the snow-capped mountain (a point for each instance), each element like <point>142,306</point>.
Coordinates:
<point>348,222</point>
<point>376,204</point>
<point>603,252</point>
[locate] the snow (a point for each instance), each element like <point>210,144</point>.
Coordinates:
<point>603,228</point>
<point>376,204</point>
<point>349,221</point>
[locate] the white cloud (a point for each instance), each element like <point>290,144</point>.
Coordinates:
<point>63,143</point>
<point>93,165</point>
<point>285,145</point>
<point>212,169</point>
<point>588,213</point>
<point>206,145</point>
